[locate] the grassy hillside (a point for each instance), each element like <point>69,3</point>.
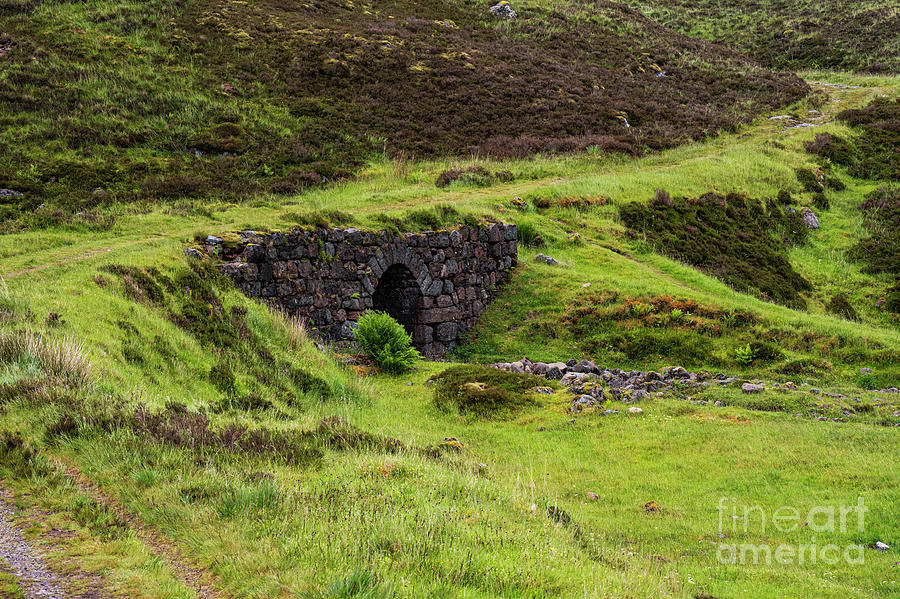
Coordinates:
<point>114,104</point>
<point>164,436</point>
<point>796,34</point>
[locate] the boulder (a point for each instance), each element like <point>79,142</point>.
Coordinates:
<point>809,218</point>
<point>549,260</point>
<point>539,368</point>
<point>572,378</point>
<point>503,10</point>
<point>751,388</point>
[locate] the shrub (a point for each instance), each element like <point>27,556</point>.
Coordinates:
<point>222,378</point>
<point>765,351</point>
<point>892,302</point>
<point>529,235</point>
<point>386,341</point>
<point>482,390</point>
<point>745,355</point>
<point>808,180</point>
<point>868,381</point>
<point>820,201</point>
<point>840,306</point>
<point>739,240</point>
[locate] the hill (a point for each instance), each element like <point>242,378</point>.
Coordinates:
<point>162,435</point>
<point>108,103</point>
<point>793,34</point>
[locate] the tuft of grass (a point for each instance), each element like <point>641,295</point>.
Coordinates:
<point>63,360</point>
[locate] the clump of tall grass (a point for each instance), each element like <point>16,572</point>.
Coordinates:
<point>65,361</point>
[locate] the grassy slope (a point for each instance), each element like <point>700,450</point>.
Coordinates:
<point>487,529</point>
<point>157,101</point>
<point>793,34</point>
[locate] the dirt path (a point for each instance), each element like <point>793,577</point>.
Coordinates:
<point>26,562</point>
<point>195,577</point>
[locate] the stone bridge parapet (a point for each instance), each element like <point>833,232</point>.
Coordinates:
<point>435,283</point>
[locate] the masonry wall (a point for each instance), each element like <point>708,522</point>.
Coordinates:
<point>436,282</point>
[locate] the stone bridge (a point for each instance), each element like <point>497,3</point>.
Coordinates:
<point>435,283</point>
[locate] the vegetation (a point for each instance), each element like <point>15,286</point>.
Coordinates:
<point>107,105</point>
<point>483,391</point>
<point>386,341</point>
<point>733,238</point>
<point>792,34</point>
<point>163,434</point>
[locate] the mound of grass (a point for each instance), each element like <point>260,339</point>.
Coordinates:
<point>191,297</point>
<point>738,240</point>
<point>483,391</point>
<point>109,102</point>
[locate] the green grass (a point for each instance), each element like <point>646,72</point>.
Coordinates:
<point>403,499</point>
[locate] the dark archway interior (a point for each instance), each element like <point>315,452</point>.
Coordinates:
<point>399,295</point>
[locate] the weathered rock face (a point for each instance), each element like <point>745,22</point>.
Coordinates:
<point>434,283</point>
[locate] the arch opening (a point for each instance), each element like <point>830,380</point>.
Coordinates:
<point>398,294</point>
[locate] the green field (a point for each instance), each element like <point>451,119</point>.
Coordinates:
<point>375,502</point>
<point>164,436</point>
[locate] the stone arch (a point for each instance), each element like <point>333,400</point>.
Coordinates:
<point>398,293</point>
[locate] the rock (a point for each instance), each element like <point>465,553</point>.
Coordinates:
<point>809,218</point>
<point>608,412</point>
<point>10,193</point>
<point>192,253</point>
<point>572,378</point>
<point>814,391</point>
<point>348,329</point>
<point>635,410</point>
<point>503,10</point>
<point>548,260</point>
<point>592,496</point>
<point>879,546</point>
<point>213,240</point>
<point>865,371</point>
<point>539,368</point>
<point>99,194</point>
<point>581,402</point>
<point>718,404</point>
<point>554,373</point>
<point>750,388</point>
<point>544,390</point>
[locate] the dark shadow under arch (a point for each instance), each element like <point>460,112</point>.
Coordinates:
<point>399,295</point>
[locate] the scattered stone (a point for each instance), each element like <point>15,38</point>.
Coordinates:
<point>541,429</point>
<point>608,412</point>
<point>192,253</point>
<point>814,391</point>
<point>544,390</point>
<point>100,194</point>
<point>10,193</point>
<point>593,496</point>
<point>503,10</point>
<point>718,404</point>
<point>635,410</point>
<point>751,388</point>
<point>879,546</point>
<point>213,240</point>
<point>549,260</point>
<point>865,371</point>
<point>809,218</point>
<point>582,402</point>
